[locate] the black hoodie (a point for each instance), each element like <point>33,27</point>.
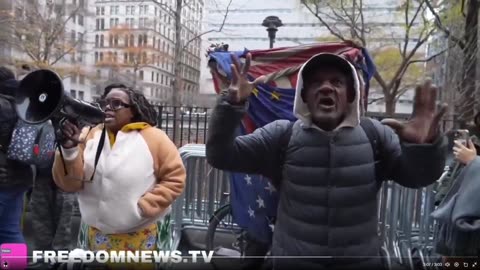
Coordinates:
<point>19,174</point>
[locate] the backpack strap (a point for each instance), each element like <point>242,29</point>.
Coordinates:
<point>284,141</point>
<point>374,138</point>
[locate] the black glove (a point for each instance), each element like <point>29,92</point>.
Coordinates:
<point>4,174</point>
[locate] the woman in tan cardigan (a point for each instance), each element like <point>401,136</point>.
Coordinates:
<point>138,175</point>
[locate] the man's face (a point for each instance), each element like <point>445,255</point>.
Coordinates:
<point>327,95</point>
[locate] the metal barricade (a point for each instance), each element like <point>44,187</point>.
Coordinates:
<point>404,218</point>
<point>405,224</point>
<point>203,192</point>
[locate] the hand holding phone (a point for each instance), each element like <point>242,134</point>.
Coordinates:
<point>462,136</point>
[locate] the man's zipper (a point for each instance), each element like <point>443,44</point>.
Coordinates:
<point>331,147</point>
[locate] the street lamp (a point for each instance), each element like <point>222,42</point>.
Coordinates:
<point>272,23</point>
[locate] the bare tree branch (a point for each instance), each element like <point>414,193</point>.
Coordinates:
<point>439,24</point>
<point>220,29</point>
<point>315,13</point>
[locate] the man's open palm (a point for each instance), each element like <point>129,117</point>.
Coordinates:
<point>424,124</point>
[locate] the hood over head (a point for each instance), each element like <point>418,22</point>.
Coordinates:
<point>300,109</point>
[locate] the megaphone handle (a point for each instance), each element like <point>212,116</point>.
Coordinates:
<point>58,125</point>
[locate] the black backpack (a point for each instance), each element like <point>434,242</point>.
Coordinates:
<point>367,125</point>
<point>8,119</point>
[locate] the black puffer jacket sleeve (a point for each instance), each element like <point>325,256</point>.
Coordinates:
<point>254,153</point>
<point>411,165</point>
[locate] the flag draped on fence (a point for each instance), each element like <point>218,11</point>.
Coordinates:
<point>253,198</point>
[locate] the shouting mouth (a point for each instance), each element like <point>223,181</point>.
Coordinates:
<point>326,103</point>
<point>109,117</point>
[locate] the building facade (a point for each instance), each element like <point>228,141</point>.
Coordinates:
<point>134,41</point>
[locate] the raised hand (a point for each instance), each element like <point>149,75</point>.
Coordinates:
<point>240,87</point>
<point>424,124</point>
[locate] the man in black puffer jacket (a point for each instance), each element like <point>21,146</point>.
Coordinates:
<point>15,178</point>
<point>328,187</point>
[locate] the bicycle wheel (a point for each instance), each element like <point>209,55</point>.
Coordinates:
<point>221,223</point>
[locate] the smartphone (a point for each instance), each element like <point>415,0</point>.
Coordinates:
<point>462,135</point>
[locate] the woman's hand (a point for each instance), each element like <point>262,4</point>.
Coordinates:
<point>464,154</point>
<point>71,133</point>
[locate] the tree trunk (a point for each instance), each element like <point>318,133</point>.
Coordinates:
<point>466,105</point>
<point>390,105</point>
<point>176,84</point>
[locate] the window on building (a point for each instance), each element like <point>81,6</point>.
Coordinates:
<point>115,57</point>
<point>81,95</point>
<point>80,20</point>
<point>82,79</point>
<point>102,11</point>
<point>144,58</point>
<point>96,57</point>
<point>153,77</point>
<point>141,75</point>
<point>158,75</point>
<point>100,24</point>
<point>101,57</point>
<point>131,57</point>
<point>125,58</point>
<point>132,40</point>
<point>101,41</point>
<point>73,93</point>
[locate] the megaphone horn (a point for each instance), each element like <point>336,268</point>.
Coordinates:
<point>41,97</point>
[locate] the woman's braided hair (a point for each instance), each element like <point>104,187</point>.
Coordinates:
<point>142,110</point>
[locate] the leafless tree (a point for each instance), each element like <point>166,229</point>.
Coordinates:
<point>180,46</point>
<point>38,29</point>
<point>346,20</point>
